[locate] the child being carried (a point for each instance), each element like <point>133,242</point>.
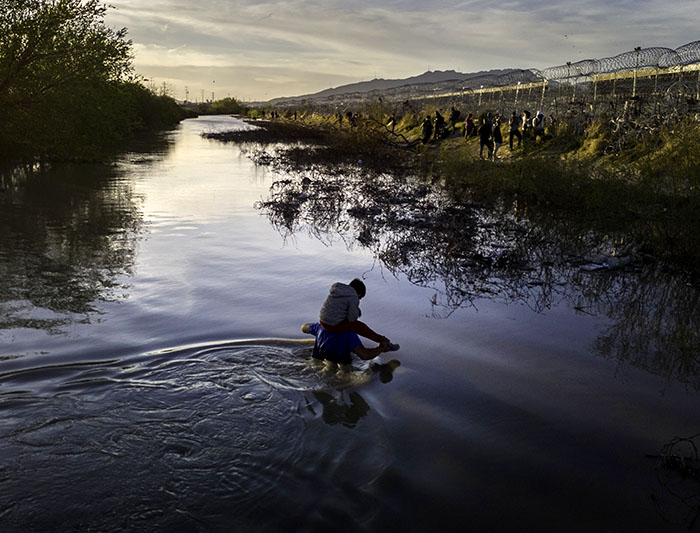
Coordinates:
<point>341,310</point>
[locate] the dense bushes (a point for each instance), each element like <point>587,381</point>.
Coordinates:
<point>225,106</point>
<point>66,84</point>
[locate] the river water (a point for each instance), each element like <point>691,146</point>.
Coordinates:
<point>153,375</point>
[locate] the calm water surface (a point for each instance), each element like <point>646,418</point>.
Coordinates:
<point>153,375</point>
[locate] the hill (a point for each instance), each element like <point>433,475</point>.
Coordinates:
<point>381,84</point>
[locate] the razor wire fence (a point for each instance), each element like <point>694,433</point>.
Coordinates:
<point>652,81</point>
<point>649,82</point>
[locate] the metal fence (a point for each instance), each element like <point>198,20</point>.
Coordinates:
<point>642,81</point>
<point>649,81</point>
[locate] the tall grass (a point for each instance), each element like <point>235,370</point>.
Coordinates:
<point>650,193</point>
<point>647,195</point>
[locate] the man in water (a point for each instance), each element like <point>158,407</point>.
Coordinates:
<point>339,347</point>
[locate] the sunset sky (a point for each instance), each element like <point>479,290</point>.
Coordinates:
<point>256,50</point>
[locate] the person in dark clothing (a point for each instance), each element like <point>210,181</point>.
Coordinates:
<point>515,122</point>
<point>497,137</point>
<point>485,133</point>
<point>439,125</point>
<point>454,117</point>
<point>538,125</point>
<point>426,130</point>
<point>527,125</point>
<point>469,127</point>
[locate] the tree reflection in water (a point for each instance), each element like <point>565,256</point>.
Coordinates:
<point>466,252</point>
<point>68,236</point>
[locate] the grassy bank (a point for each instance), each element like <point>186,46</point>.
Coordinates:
<point>643,197</point>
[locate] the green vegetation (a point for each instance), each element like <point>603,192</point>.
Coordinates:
<point>67,88</point>
<point>640,189</point>
<point>646,195</point>
<point>225,106</point>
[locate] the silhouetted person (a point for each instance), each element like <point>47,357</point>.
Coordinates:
<point>515,122</point>
<point>485,133</point>
<point>497,137</point>
<point>538,125</point>
<point>426,130</point>
<point>469,126</point>
<point>439,125</point>
<point>454,117</point>
<point>527,125</point>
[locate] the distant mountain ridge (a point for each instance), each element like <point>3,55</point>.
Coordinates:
<point>381,84</point>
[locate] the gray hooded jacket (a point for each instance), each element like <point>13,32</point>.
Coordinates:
<point>341,304</point>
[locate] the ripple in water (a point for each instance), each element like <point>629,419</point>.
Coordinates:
<point>247,436</point>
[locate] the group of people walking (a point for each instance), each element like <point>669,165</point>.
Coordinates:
<point>521,127</point>
<point>436,128</point>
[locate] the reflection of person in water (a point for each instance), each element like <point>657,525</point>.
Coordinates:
<point>337,412</point>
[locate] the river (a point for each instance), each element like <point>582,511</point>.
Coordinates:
<point>153,375</point>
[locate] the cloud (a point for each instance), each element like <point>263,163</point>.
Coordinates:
<point>244,83</point>
<point>316,44</point>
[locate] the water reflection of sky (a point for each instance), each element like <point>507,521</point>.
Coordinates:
<point>494,413</point>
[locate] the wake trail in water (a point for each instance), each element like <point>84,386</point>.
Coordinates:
<point>195,436</point>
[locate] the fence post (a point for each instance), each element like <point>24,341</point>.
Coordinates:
<point>656,92</point>
<point>636,66</point>
<point>544,87</point>
<point>595,87</point>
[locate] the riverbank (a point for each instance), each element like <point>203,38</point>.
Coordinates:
<point>93,129</point>
<point>639,199</point>
<point>152,358</point>
<point>68,91</point>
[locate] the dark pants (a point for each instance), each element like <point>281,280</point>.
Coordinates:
<point>515,133</point>
<point>488,143</point>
